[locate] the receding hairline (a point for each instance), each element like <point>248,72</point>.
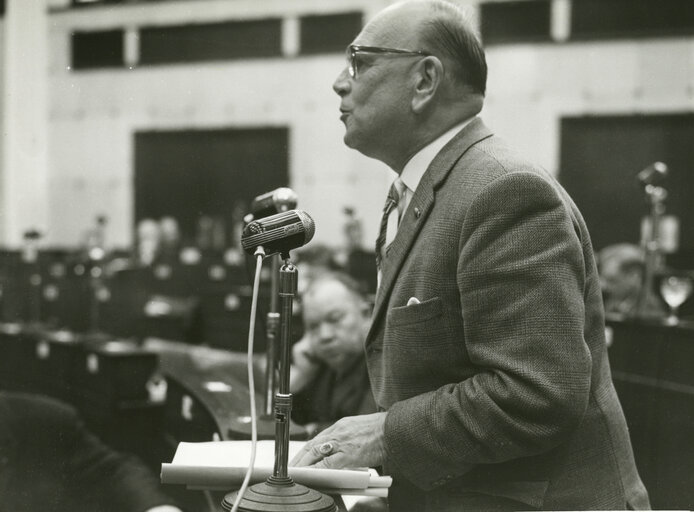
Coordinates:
<point>439,27</point>
<point>350,285</point>
<point>418,16</point>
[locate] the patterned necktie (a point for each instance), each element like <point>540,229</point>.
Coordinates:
<point>391,202</point>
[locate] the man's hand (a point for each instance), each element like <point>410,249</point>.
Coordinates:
<point>352,442</point>
<point>304,365</point>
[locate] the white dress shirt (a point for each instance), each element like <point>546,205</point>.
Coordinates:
<point>413,171</point>
<point>411,175</point>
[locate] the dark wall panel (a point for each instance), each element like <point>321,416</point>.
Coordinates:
<point>207,42</point>
<point>193,173</point>
<point>100,49</point>
<point>329,33</point>
<point>515,21</point>
<point>602,19</point>
<point>600,157</point>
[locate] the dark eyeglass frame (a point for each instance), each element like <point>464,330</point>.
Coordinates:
<point>354,49</point>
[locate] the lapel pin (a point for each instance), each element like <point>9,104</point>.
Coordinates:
<point>417,212</point>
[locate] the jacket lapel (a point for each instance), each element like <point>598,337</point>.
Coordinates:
<point>418,210</point>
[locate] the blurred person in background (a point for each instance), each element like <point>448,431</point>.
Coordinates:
<point>357,261</point>
<point>312,261</point>
<point>621,267</point>
<point>147,242</point>
<point>49,461</point>
<point>328,374</point>
<point>169,240</point>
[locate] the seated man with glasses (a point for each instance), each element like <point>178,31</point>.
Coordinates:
<point>328,374</point>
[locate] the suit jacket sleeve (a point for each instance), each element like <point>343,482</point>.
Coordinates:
<point>100,478</point>
<point>521,276</point>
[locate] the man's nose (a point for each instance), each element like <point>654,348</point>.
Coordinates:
<point>342,83</point>
<point>326,333</point>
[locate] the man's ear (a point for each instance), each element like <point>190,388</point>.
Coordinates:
<point>428,78</point>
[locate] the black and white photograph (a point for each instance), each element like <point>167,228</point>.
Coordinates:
<point>346,255</point>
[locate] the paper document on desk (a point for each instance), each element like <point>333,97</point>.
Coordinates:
<point>222,465</point>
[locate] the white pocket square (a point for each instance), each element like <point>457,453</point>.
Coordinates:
<point>412,300</point>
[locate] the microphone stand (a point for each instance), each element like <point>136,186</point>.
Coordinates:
<point>272,325</point>
<point>282,199</point>
<point>653,257</point>
<point>240,427</point>
<point>279,492</point>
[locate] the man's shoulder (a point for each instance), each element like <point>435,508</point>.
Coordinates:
<point>497,154</point>
<point>489,160</point>
<point>24,410</point>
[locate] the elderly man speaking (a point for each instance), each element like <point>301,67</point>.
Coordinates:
<point>486,351</point>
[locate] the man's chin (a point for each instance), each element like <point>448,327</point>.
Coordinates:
<point>348,139</point>
<point>352,142</point>
<point>336,363</point>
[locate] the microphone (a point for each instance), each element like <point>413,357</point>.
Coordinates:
<point>653,174</point>
<point>278,233</point>
<point>276,201</point>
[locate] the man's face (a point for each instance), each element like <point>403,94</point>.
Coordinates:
<point>334,320</point>
<point>375,102</point>
<point>619,281</point>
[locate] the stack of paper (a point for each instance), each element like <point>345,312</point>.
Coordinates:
<point>222,465</point>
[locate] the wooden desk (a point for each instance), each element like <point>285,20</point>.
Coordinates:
<point>207,396</point>
<point>653,371</point>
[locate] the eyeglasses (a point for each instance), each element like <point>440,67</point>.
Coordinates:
<point>354,50</point>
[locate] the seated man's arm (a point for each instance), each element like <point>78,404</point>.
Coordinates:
<point>304,367</point>
<point>102,478</point>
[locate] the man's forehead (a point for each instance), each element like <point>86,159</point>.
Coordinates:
<point>317,309</point>
<point>396,27</point>
<point>326,293</point>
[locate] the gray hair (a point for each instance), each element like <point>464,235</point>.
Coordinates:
<point>449,34</point>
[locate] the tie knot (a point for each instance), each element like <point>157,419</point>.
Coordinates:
<point>394,194</point>
<point>394,197</point>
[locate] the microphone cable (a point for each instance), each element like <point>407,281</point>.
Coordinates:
<point>259,254</point>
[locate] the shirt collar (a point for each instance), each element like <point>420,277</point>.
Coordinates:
<point>415,168</point>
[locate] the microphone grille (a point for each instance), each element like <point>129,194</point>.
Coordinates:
<point>309,225</point>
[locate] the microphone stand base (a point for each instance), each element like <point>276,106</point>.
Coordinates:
<point>280,495</point>
<point>240,428</point>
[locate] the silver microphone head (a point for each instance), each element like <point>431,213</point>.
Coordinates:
<point>653,174</point>
<point>276,201</point>
<point>278,233</point>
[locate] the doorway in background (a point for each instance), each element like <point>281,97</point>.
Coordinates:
<point>191,175</point>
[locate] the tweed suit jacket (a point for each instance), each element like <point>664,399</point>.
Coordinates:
<point>497,383</point>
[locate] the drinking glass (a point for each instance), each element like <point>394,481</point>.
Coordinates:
<point>675,290</point>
